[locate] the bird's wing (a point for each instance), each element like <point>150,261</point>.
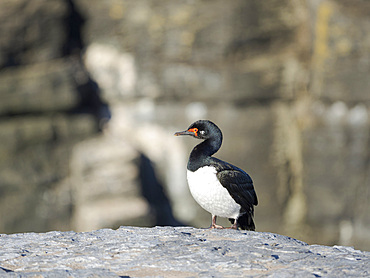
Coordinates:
<point>240,186</point>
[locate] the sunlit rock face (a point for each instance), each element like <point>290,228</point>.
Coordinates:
<point>92,91</point>
<point>169,252</point>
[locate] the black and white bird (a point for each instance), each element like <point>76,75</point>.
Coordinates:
<point>219,187</point>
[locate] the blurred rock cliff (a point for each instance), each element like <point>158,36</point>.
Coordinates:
<point>92,91</point>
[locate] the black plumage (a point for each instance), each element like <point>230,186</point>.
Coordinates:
<point>237,182</point>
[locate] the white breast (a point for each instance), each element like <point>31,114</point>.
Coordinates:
<point>210,194</point>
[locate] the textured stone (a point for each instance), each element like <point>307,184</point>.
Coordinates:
<point>188,49</point>
<point>340,54</point>
<point>104,183</point>
<point>44,111</point>
<point>38,88</point>
<point>32,32</point>
<point>268,73</point>
<point>32,169</point>
<point>287,82</point>
<point>341,202</point>
<point>197,62</point>
<point>169,252</point>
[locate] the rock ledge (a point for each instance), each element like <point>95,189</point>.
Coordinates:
<point>174,251</point>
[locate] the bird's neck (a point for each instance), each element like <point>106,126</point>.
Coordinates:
<point>202,152</point>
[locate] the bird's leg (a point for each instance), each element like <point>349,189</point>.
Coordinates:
<point>214,225</point>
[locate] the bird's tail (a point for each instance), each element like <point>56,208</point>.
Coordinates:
<point>245,222</point>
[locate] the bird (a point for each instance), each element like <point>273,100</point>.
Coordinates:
<point>219,187</point>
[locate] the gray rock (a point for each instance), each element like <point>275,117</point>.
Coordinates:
<point>286,81</point>
<point>36,88</point>
<point>169,252</point>
<point>32,166</point>
<point>32,32</point>
<point>271,77</point>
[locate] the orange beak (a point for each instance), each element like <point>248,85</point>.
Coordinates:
<point>191,132</point>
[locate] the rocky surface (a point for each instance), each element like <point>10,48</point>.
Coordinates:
<point>274,75</point>
<point>44,112</point>
<point>286,81</point>
<point>174,252</point>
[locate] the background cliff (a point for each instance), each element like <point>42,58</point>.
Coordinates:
<point>92,91</point>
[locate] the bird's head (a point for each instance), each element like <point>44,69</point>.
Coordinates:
<point>202,129</point>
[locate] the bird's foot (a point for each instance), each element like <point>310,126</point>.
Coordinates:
<point>215,226</point>
<point>233,227</point>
